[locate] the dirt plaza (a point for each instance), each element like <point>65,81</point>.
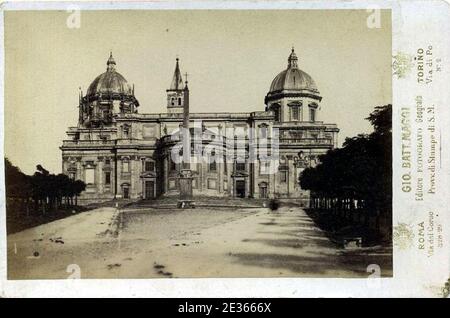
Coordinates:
<point>157,242</point>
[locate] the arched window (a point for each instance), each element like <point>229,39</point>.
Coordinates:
<point>263,131</point>
<point>276,108</point>
<point>263,193</point>
<point>312,114</point>
<point>179,101</point>
<point>126,190</point>
<point>212,165</point>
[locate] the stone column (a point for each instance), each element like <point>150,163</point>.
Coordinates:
<point>165,182</point>
<point>79,174</point>
<point>219,168</point>
<point>119,174</point>
<point>290,176</point>
<point>133,185</point>
<point>99,176</point>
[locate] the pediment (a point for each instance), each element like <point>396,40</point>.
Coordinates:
<point>148,174</point>
<point>295,103</point>
<point>240,174</point>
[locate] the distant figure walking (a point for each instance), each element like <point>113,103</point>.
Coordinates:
<point>274,204</point>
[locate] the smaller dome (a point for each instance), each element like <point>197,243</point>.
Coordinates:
<point>110,83</point>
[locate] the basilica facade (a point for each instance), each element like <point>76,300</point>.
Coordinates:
<point>121,153</point>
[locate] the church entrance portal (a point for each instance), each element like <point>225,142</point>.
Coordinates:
<point>149,190</point>
<point>126,192</point>
<point>240,188</point>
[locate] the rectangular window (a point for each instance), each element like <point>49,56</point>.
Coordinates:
<point>240,166</point>
<point>295,113</point>
<point>212,165</point>
<point>126,131</point>
<point>107,178</point>
<point>149,166</point>
<point>90,174</point>
<point>125,166</point>
<point>106,115</point>
<point>264,167</point>
<point>283,176</point>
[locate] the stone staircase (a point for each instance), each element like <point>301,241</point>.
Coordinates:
<point>169,202</point>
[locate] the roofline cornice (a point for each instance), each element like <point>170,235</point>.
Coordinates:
<point>279,95</point>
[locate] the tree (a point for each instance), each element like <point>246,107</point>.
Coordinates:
<point>17,183</point>
<point>361,169</point>
<point>48,191</point>
<point>78,187</point>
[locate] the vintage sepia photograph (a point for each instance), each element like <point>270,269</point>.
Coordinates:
<point>198,143</point>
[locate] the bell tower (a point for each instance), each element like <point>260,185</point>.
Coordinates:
<point>175,94</point>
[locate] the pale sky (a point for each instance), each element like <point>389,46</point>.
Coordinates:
<point>231,57</point>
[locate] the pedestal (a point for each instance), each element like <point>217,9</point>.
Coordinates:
<point>185,183</point>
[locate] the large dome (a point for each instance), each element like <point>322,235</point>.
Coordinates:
<point>293,80</point>
<point>110,83</point>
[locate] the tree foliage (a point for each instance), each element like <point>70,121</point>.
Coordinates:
<point>361,169</point>
<point>45,189</point>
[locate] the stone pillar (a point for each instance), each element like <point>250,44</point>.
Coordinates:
<point>185,182</point>
<point>271,187</point>
<point>256,170</point>
<point>231,186</point>
<point>219,169</point>
<point>165,182</point>
<point>65,165</point>
<point>291,177</point>
<point>133,170</point>
<point>113,176</point>
<point>119,174</point>
<point>203,176</point>
<point>79,174</point>
<point>99,176</point>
